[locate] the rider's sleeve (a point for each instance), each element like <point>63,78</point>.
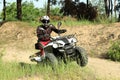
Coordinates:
<point>39,31</point>
<point>57,30</point>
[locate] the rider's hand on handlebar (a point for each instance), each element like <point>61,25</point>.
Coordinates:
<point>63,30</point>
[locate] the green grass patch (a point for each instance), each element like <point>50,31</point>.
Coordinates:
<point>72,23</point>
<point>71,71</point>
<point>114,51</point>
<point>69,21</point>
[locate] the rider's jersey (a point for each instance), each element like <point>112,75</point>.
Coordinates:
<point>43,32</point>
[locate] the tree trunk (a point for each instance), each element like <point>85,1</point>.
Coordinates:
<point>4,10</point>
<point>107,7</point>
<point>115,8</point>
<point>48,8</point>
<point>87,3</point>
<point>19,10</point>
<point>119,17</point>
<point>111,3</point>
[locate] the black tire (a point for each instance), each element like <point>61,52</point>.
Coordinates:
<point>52,59</point>
<point>81,56</point>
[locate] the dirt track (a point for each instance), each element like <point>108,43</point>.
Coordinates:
<point>105,68</point>
<point>95,39</point>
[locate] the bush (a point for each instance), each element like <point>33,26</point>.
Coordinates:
<point>80,10</point>
<point>29,12</point>
<point>114,51</point>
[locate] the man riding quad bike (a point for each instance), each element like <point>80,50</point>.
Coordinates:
<point>57,48</point>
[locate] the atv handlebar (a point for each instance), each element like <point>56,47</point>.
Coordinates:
<point>59,37</point>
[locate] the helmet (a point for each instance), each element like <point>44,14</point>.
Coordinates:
<point>45,19</point>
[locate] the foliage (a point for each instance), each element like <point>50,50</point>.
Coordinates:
<point>79,10</point>
<point>117,7</point>
<point>114,51</point>
<point>11,11</point>
<point>29,12</point>
<point>100,5</point>
<point>88,12</point>
<point>56,12</point>
<point>102,19</point>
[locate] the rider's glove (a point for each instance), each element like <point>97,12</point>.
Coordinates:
<point>63,31</point>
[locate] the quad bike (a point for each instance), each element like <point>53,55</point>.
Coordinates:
<point>63,48</point>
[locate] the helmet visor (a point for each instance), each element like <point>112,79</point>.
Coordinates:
<point>45,21</point>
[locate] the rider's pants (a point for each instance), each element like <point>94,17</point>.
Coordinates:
<point>42,44</point>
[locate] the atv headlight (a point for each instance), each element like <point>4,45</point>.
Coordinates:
<point>55,45</point>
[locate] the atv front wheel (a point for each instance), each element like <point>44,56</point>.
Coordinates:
<point>52,59</point>
<point>81,56</point>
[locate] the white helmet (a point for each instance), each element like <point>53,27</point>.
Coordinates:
<point>45,19</point>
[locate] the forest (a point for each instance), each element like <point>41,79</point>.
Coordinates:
<point>91,10</point>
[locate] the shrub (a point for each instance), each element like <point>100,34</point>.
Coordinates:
<point>80,10</point>
<point>29,12</point>
<point>114,51</point>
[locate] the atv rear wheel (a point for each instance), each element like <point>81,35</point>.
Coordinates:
<point>81,56</point>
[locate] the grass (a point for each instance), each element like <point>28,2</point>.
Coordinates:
<point>71,71</point>
<point>71,22</point>
<point>77,23</point>
<point>114,51</point>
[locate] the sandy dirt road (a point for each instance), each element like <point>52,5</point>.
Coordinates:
<point>106,69</point>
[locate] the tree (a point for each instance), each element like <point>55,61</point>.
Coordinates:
<point>28,8</point>
<point>29,12</point>
<point>68,7</point>
<point>115,7</point>
<point>49,3</point>
<point>48,8</point>
<point>4,10</point>
<point>87,1</point>
<point>108,7</point>
<point>99,4</point>
<point>111,7</point>
<point>79,10</point>
<point>19,10</point>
